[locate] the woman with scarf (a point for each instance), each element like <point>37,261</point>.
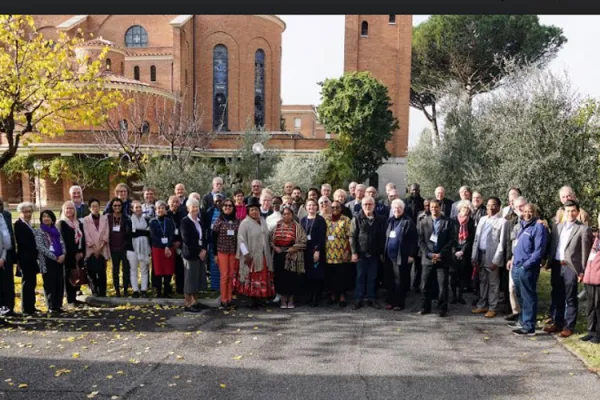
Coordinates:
<point>240,207</point>
<point>288,241</point>
<point>27,257</point>
<point>194,251</point>
<point>51,258</point>
<point>138,248</point>
<point>338,270</point>
<point>71,230</point>
<point>255,257</point>
<point>314,255</point>
<point>225,233</point>
<point>97,253</point>
<point>162,231</point>
<point>460,269</point>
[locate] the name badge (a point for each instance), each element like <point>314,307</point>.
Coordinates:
<point>392,234</point>
<point>433,238</point>
<point>230,232</point>
<point>117,228</point>
<point>176,231</point>
<point>200,242</point>
<point>51,248</point>
<point>164,240</point>
<point>330,238</point>
<point>133,229</point>
<point>212,226</point>
<point>307,237</point>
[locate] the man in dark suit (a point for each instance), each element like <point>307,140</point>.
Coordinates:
<point>208,199</point>
<point>7,274</point>
<point>436,241</point>
<point>570,248</point>
<point>414,202</point>
<point>445,204</point>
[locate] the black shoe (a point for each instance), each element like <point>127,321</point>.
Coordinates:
<point>117,293</point>
<point>417,290</point>
<point>595,340</point>
<point>587,337</point>
<point>10,313</point>
<point>423,312</point>
<point>357,305</point>
<point>331,301</point>
<point>314,302</point>
<point>461,300</point>
<point>512,317</point>
<point>374,304</point>
<point>514,324</point>
<point>136,295</point>
<point>343,303</point>
<point>191,309</point>
<point>443,313</point>
<point>144,294</point>
<point>523,332</point>
<point>398,308</point>
<point>454,300</point>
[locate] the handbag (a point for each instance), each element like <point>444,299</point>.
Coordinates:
<point>78,276</point>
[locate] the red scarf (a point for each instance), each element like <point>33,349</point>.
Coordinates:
<point>463,232</point>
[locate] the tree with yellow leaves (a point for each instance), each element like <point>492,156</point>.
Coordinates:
<point>44,86</point>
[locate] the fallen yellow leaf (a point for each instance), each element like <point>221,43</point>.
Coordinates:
<point>223,385</point>
<point>22,386</point>
<point>109,376</point>
<point>75,355</point>
<point>92,395</point>
<point>237,357</point>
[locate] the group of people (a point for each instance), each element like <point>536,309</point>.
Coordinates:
<point>271,247</point>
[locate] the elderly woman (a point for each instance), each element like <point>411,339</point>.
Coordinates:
<point>51,258</point>
<point>339,273</point>
<point>460,270</point>
<point>275,217</point>
<point>138,248</point>
<point>288,241</point>
<point>400,251</point>
<point>340,196</point>
<point>122,192</point>
<point>254,254</point>
<point>194,251</point>
<point>176,214</point>
<point>27,257</point>
<point>71,230</point>
<point>225,233</point>
<point>325,207</point>
<point>314,255</point>
<point>117,230</point>
<point>240,207</point>
<point>97,253</point>
<point>162,232</point>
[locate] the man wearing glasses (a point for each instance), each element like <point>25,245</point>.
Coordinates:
<point>256,191</point>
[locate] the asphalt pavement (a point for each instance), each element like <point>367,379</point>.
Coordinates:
<point>157,352</point>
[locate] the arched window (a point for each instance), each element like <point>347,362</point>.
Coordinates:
<point>392,19</point>
<point>136,36</point>
<point>364,29</point>
<point>108,64</point>
<point>145,127</point>
<point>186,79</point>
<point>123,125</point>
<point>259,88</point>
<point>220,75</point>
<point>153,73</point>
<point>136,73</point>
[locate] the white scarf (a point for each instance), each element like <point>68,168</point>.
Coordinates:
<point>141,247</point>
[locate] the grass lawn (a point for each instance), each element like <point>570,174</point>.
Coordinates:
<point>589,351</point>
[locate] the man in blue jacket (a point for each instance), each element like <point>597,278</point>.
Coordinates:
<point>525,268</point>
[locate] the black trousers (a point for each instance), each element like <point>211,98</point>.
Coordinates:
<point>179,274</point>
<point>96,267</point>
<point>417,277</point>
<point>54,284</point>
<point>7,285</point>
<point>458,277</point>
<point>504,289</point>
<point>593,309</point>
<point>163,285</point>
<point>28,283</point>
<point>564,296</point>
<point>430,274</point>
<point>117,258</point>
<point>397,282</point>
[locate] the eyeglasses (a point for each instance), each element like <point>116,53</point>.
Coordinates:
<point>227,206</point>
<point>368,204</point>
<point>116,206</point>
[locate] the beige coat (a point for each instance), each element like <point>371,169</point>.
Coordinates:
<point>255,238</point>
<point>561,217</point>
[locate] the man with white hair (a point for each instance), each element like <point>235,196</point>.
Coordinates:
<point>513,193</point>
<point>391,196</point>
<point>567,193</point>
<point>355,205</point>
<point>351,191</point>
<point>380,208</point>
<point>217,187</point>
<point>256,188</point>
<point>389,186</point>
<point>465,194</point>
<point>265,204</point>
<point>76,195</point>
<point>326,190</point>
<point>180,193</point>
<point>446,204</point>
<point>288,188</point>
<point>399,253</point>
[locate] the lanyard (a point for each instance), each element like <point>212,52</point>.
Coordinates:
<point>163,227</point>
<point>311,225</point>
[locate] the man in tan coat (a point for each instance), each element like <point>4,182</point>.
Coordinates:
<point>567,193</point>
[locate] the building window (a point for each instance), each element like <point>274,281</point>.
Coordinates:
<point>145,127</point>
<point>259,88</point>
<point>153,73</point>
<point>220,72</point>
<point>392,19</point>
<point>297,123</point>
<point>136,36</point>
<point>123,126</point>
<point>136,73</point>
<point>108,64</point>
<point>122,71</point>
<point>364,29</point>
<point>186,79</point>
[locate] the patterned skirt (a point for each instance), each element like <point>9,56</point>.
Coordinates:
<point>258,284</point>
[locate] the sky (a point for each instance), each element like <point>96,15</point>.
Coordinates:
<point>313,50</point>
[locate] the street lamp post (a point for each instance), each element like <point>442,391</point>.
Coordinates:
<point>258,149</point>
<point>37,165</point>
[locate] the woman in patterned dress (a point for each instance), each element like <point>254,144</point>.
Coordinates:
<point>337,254</point>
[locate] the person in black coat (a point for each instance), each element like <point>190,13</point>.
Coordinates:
<point>7,273</point>
<point>27,255</point>
<point>414,203</point>
<point>460,270</point>
<point>314,255</point>
<point>177,215</point>
<point>71,230</point>
<point>400,251</point>
<point>445,203</point>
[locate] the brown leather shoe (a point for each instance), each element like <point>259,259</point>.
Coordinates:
<point>566,333</point>
<point>490,314</point>
<point>551,329</point>
<point>479,310</point>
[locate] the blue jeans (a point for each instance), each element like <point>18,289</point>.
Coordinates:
<point>366,275</point>
<point>526,288</point>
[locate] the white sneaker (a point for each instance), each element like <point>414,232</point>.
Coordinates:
<point>277,299</point>
<point>4,310</point>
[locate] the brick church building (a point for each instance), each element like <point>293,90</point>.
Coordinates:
<point>231,65</point>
